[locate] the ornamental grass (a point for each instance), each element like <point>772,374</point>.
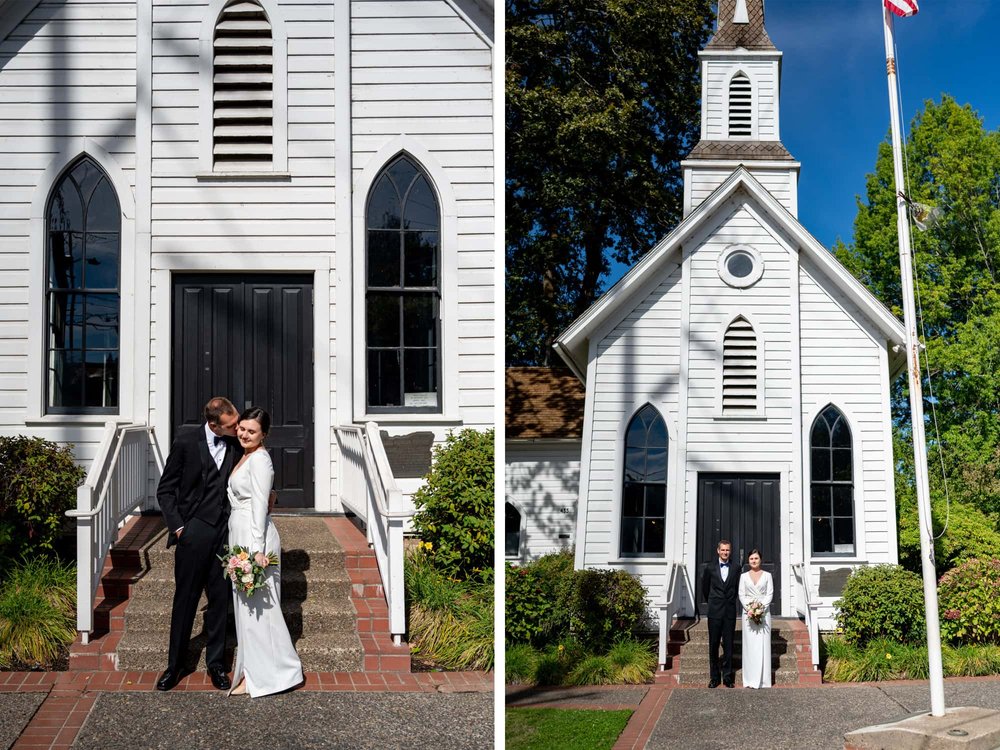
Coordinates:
<point>37,613</point>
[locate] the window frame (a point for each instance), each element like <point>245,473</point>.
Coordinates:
<point>520,531</point>
<point>853,483</point>
<point>753,134</point>
<point>623,483</point>
<point>760,412</point>
<point>48,291</point>
<point>402,291</point>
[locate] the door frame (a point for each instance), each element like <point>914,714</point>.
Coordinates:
<point>229,259</point>
<point>785,530</point>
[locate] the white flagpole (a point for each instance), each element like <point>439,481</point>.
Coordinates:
<point>916,396</point>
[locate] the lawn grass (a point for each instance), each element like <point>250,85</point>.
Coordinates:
<point>561,729</point>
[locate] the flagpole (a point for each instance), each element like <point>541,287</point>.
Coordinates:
<point>916,396</point>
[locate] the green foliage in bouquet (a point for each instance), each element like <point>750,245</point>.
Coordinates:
<point>969,601</point>
<point>37,612</point>
<point>455,506</point>
<point>39,486</point>
<point>882,601</point>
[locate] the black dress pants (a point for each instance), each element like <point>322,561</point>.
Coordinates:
<point>721,629</point>
<point>197,568</point>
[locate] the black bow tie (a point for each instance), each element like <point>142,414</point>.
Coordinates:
<point>219,440</point>
<point>724,565</point>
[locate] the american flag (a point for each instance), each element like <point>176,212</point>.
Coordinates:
<point>902,8</point>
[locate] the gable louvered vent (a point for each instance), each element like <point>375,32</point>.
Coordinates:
<point>739,106</point>
<point>739,368</point>
<point>243,77</point>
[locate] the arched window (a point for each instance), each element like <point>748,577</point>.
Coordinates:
<point>83,257</point>
<point>512,531</point>
<point>739,369</point>
<point>243,89</point>
<point>740,107</point>
<point>832,484</point>
<point>644,487</point>
<point>402,298</point>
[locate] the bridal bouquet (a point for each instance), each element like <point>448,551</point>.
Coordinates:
<point>756,612</point>
<point>247,570</point>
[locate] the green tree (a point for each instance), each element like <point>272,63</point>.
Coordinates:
<point>952,162</point>
<point>601,105</point>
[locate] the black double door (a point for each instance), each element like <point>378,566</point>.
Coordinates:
<point>249,337</point>
<point>744,509</point>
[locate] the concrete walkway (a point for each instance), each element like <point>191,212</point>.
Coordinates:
<point>111,710</point>
<point>783,718</point>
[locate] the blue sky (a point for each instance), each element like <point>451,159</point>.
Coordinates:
<point>834,96</point>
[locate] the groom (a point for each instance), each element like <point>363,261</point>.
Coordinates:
<point>192,496</point>
<point>720,585</point>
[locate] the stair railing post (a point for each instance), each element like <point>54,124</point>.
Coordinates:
<point>84,563</point>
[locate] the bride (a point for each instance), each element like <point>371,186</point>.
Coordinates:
<point>756,585</point>
<point>266,661</point>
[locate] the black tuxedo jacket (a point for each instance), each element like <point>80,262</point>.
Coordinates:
<point>182,488</point>
<point>722,596</point>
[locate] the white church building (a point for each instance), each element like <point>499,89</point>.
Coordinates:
<point>287,203</point>
<point>738,376</point>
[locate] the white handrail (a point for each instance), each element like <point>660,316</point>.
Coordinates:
<point>369,490</point>
<point>675,571</point>
<point>118,480</point>
<point>802,576</point>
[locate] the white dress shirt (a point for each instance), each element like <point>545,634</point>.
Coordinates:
<point>217,450</point>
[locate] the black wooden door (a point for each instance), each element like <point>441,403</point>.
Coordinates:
<point>249,338</point>
<point>743,508</point>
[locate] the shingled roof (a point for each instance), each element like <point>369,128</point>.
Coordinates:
<point>742,150</point>
<point>732,35</point>
<point>543,402</point>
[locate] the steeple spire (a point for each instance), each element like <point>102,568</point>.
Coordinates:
<point>741,24</point>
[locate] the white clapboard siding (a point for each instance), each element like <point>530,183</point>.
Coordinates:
<point>418,68</point>
<point>66,71</point>
<point>542,480</point>
<point>638,361</point>
<point>779,182</point>
<point>841,364</point>
<point>763,77</point>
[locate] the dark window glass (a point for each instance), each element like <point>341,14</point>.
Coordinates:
<point>403,291</point>
<point>83,309</point>
<point>832,484</point>
<point>644,485</point>
<point>512,531</point>
<point>740,265</point>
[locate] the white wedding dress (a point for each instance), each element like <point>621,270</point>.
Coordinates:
<point>756,638</point>
<point>265,656</point>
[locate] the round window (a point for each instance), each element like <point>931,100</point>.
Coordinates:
<point>740,266</point>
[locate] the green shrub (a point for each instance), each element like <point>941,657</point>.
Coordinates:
<point>537,599</point>
<point>594,670</point>
<point>606,605</point>
<point>882,601</point>
<point>969,600</point>
<point>39,486</point>
<point>455,506</point>
<point>886,660</point>
<point>971,661</point>
<point>450,623</point>
<point>37,612</point>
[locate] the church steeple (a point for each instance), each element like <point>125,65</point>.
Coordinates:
<point>740,77</point>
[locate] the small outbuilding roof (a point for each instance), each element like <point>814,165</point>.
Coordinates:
<point>543,403</point>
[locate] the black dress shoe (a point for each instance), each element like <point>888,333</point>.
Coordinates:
<point>713,684</point>
<point>730,683</point>
<point>168,679</point>
<point>219,678</point>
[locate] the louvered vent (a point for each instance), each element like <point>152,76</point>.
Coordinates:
<point>739,368</point>
<point>243,77</point>
<point>739,106</point>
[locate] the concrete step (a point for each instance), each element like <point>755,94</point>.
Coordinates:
<point>329,652</point>
<point>778,677</point>
<point>151,612</point>
<point>332,581</point>
<point>699,664</point>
